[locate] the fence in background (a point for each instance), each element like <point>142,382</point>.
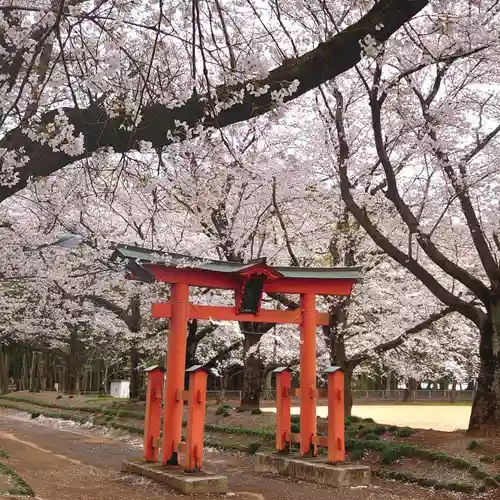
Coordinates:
<point>361,397</point>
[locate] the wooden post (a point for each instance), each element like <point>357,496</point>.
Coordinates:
<point>176,364</point>
<point>336,431</point>
<point>283,408</point>
<point>197,398</point>
<point>152,419</point>
<point>308,393</point>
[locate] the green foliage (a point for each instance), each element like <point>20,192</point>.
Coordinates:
<point>3,454</point>
<point>295,419</point>
<point>108,418</point>
<point>405,432</point>
<point>23,487</point>
<point>368,420</point>
<point>295,428</point>
<point>35,414</point>
<point>473,444</point>
<point>253,447</point>
<point>224,410</point>
<point>356,455</point>
<point>371,436</point>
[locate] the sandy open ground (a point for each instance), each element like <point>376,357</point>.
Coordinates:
<point>439,418</point>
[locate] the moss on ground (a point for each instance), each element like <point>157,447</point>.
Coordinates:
<point>21,487</point>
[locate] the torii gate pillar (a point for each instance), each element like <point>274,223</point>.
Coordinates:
<point>308,392</point>
<point>176,366</point>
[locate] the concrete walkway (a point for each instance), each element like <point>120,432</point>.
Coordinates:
<point>82,465</point>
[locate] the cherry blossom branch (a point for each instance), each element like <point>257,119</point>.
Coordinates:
<point>461,185</point>
<point>223,354</point>
<point>293,257</point>
<point>99,130</point>
<point>408,262</point>
<point>398,341</point>
<point>392,194</point>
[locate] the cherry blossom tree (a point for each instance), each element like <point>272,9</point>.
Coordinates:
<point>416,138</point>
<point>77,76</point>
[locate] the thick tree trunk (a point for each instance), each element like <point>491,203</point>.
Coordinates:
<point>72,364</point>
<point>252,375</point>
<point>485,415</point>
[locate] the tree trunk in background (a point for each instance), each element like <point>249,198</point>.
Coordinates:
<point>135,325</point>
<point>16,367</point>
<point>485,415</point>
<point>348,400</point>
<point>49,380</point>
<point>135,379</point>
<point>252,374</point>
<point>24,375</point>
<point>33,371</point>
<point>72,364</point>
<point>4,370</point>
<point>268,381</point>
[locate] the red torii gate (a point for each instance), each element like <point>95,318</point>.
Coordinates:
<point>249,281</point>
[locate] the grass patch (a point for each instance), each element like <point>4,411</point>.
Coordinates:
<point>3,454</point>
<point>405,432</point>
<point>224,410</point>
<point>22,487</point>
<point>372,436</point>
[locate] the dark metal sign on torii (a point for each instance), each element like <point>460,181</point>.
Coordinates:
<point>249,281</point>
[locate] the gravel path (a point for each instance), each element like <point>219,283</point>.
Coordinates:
<point>65,462</point>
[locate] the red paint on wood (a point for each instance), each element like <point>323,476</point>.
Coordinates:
<point>214,279</point>
<point>336,431</point>
<point>176,365</point>
<point>152,419</point>
<point>283,409</point>
<point>225,313</point>
<point>193,457</point>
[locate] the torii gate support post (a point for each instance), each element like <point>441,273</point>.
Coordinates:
<point>308,391</point>
<point>197,398</point>
<point>176,364</point>
<point>152,419</point>
<point>336,430</point>
<point>283,408</point>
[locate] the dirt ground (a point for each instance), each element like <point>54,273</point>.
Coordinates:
<point>78,465</point>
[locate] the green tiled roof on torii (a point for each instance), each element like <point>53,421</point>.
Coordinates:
<point>147,256</point>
